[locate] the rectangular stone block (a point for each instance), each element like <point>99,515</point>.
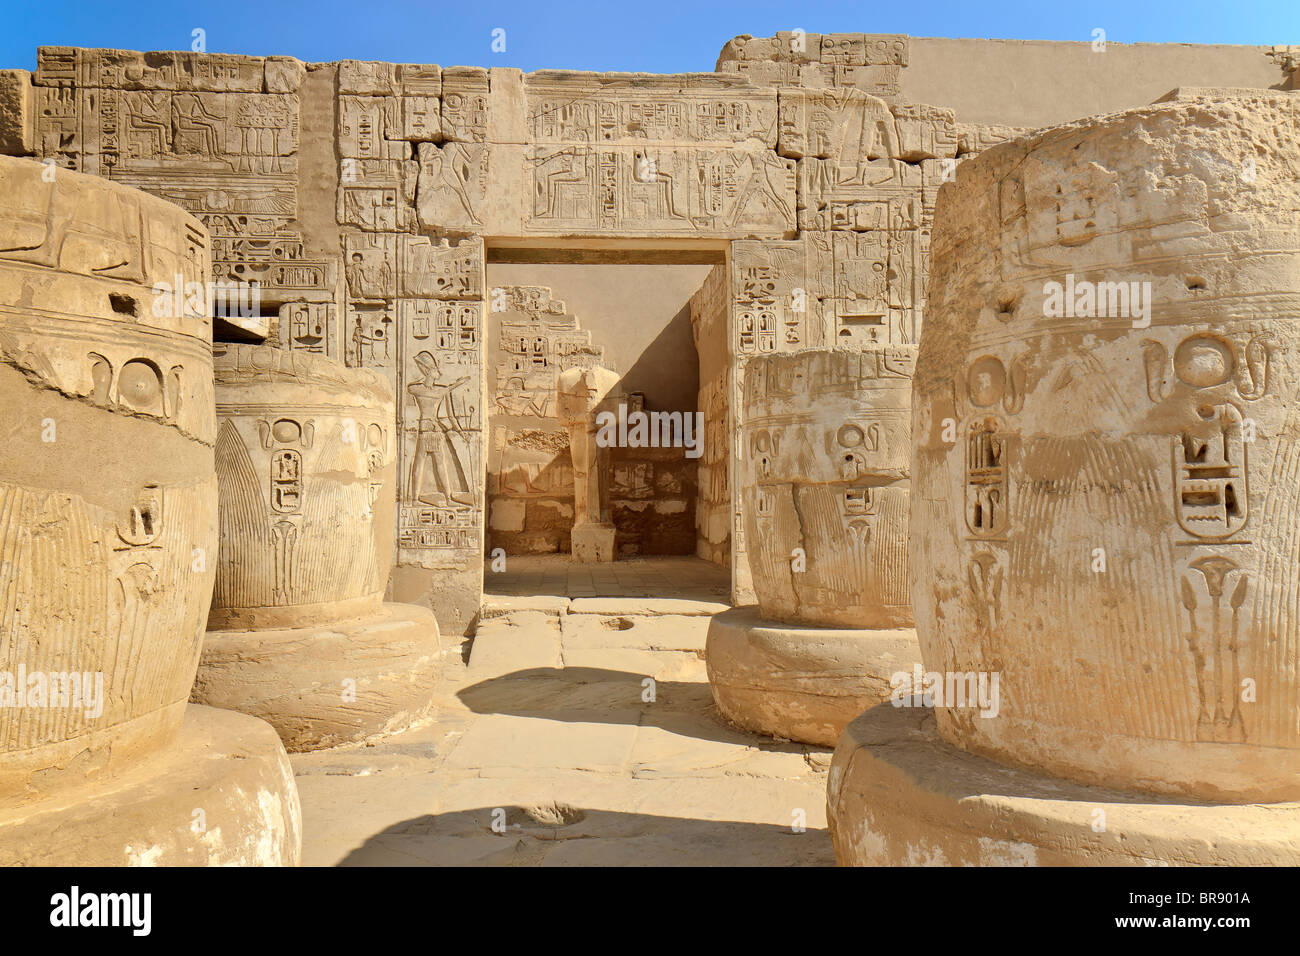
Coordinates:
<point>453,186</point>
<point>657,191</point>
<point>421,120</point>
<point>465,104</point>
<point>310,327</point>
<point>164,70</point>
<point>507,514</point>
<point>364,78</point>
<point>56,65</point>
<point>377,195</point>
<point>283,74</point>
<point>507,106</point>
<point>419,79</point>
<point>57,124</point>
<point>777,292</point>
<point>17,117</point>
<point>629,109</point>
<point>363,123</point>
<point>439,270</point>
<point>765,72</point>
<point>925,132</point>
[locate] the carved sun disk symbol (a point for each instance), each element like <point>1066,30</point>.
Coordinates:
<point>138,384</point>
<point>285,430</point>
<point>1203,361</point>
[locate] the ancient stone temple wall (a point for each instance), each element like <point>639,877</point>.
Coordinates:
<point>365,199</point>
<point>1028,83</point>
<point>532,338</point>
<point>709,314</point>
<point>257,148</point>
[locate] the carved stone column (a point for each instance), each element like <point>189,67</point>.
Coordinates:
<point>108,544</point>
<point>824,474</point>
<point>582,394</point>
<point>299,633</point>
<point>1105,505</point>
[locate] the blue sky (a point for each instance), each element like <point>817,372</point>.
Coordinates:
<point>660,36</point>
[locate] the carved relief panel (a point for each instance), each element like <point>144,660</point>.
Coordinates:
<point>107,484</point>
<point>1119,444</point>
<point>824,473</point>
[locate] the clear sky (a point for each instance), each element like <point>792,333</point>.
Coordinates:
<point>658,36</point>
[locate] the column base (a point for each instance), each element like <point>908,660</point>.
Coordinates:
<point>899,795</point>
<point>325,685</point>
<point>801,683</point>
<point>592,543</point>
<point>221,793</point>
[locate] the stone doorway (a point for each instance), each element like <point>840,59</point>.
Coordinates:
<point>646,322</point>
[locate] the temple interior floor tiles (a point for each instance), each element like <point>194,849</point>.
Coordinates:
<point>573,732</point>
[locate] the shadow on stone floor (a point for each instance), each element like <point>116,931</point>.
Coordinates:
<point>603,696</point>
<point>563,835</point>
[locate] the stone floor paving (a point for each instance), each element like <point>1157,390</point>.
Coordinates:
<point>679,576</point>
<point>579,732</point>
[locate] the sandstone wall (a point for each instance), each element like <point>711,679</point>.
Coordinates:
<point>1028,83</point>
<point>531,339</point>
<point>638,326</point>
<point>362,197</point>
<point>713,511</point>
<point>1036,83</point>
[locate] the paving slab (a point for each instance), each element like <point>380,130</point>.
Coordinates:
<point>569,740</point>
<point>498,605</point>
<point>636,606</point>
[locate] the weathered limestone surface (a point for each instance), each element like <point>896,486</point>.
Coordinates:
<point>109,533</point>
<point>899,795</point>
<point>358,195</point>
<point>298,633</point>
<point>223,794</point>
<point>1029,83</point>
<point>710,313</point>
<point>17,124</point>
<point>580,395</point>
<point>1088,432</point>
<point>323,685</point>
<point>825,466</point>
<point>826,190</point>
<point>532,339</point>
<point>365,200</point>
<point>824,474</point>
<point>593,732</point>
<point>1034,84</point>
<point>305,464</point>
<point>854,279</point>
<point>801,683</point>
<point>1108,524</point>
<point>108,480</point>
